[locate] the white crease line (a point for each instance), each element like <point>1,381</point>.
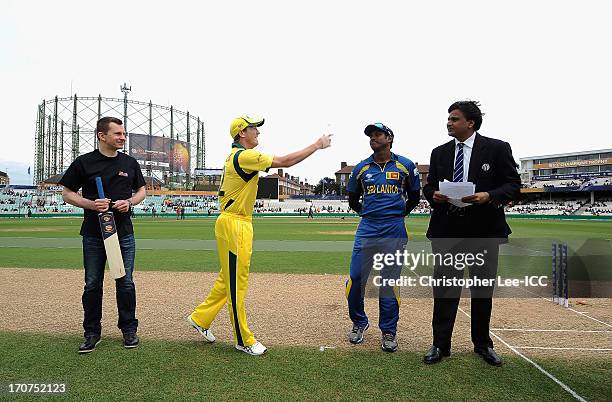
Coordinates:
<point>536,365</point>
<point>569,308</point>
<point>588,316</point>
<point>552,377</point>
<point>555,348</point>
<point>553,330</point>
<point>549,300</point>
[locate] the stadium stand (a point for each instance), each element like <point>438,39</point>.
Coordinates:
<point>601,181</point>
<point>300,205</point>
<point>18,202</point>
<point>590,196</point>
<point>565,207</point>
<point>422,208</point>
<point>600,208</point>
<point>168,203</point>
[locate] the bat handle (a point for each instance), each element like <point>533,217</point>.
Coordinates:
<point>100,188</point>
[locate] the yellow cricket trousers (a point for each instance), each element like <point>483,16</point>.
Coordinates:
<point>234,235</point>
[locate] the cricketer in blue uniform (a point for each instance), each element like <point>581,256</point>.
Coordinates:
<point>383,189</point>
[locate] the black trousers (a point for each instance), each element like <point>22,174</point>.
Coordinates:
<point>446,298</point>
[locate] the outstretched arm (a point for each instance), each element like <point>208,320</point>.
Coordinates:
<point>298,156</point>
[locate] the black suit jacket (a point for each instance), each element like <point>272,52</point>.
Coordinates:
<point>492,169</point>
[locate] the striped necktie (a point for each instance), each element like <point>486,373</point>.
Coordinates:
<point>458,172</point>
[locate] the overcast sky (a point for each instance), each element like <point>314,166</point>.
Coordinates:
<point>541,70</point>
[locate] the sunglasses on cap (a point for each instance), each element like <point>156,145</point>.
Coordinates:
<point>378,127</point>
<point>383,127</point>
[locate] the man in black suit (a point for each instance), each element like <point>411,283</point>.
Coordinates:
<point>477,228</point>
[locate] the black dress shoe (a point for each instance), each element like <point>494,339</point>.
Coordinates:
<point>489,356</point>
<point>434,355</point>
<point>90,344</point>
<point>130,341</point>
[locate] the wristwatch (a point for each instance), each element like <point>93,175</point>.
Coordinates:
<point>130,202</point>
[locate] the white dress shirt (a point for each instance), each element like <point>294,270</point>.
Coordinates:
<point>468,145</point>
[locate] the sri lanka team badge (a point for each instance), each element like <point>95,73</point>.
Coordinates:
<point>393,176</point>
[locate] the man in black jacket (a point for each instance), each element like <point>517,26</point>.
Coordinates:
<point>477,228</point>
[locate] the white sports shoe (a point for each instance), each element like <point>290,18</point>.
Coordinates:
<point>205,332</point>
<point>255,349</point>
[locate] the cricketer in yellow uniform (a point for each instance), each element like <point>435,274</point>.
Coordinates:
<point>234,231</point>
<point>234,234</point>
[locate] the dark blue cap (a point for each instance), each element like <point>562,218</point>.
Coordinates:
<point>377,127</point>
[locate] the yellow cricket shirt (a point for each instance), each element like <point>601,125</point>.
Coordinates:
<point>238,188</point>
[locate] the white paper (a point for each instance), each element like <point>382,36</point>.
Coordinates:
<point>456,191</point>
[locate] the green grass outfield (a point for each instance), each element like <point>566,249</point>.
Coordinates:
<point>316,246</point>
<point>187,371</point>
<point>273,228</point>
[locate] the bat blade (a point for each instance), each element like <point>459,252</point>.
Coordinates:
<point>111,244</point>
<point>110,238</point>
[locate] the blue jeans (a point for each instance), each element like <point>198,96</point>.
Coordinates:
<point>94,260</point>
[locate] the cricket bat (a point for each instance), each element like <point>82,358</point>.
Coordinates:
<point>110,238</point>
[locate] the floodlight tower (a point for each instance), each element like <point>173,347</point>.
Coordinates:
<point>126,90</point>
